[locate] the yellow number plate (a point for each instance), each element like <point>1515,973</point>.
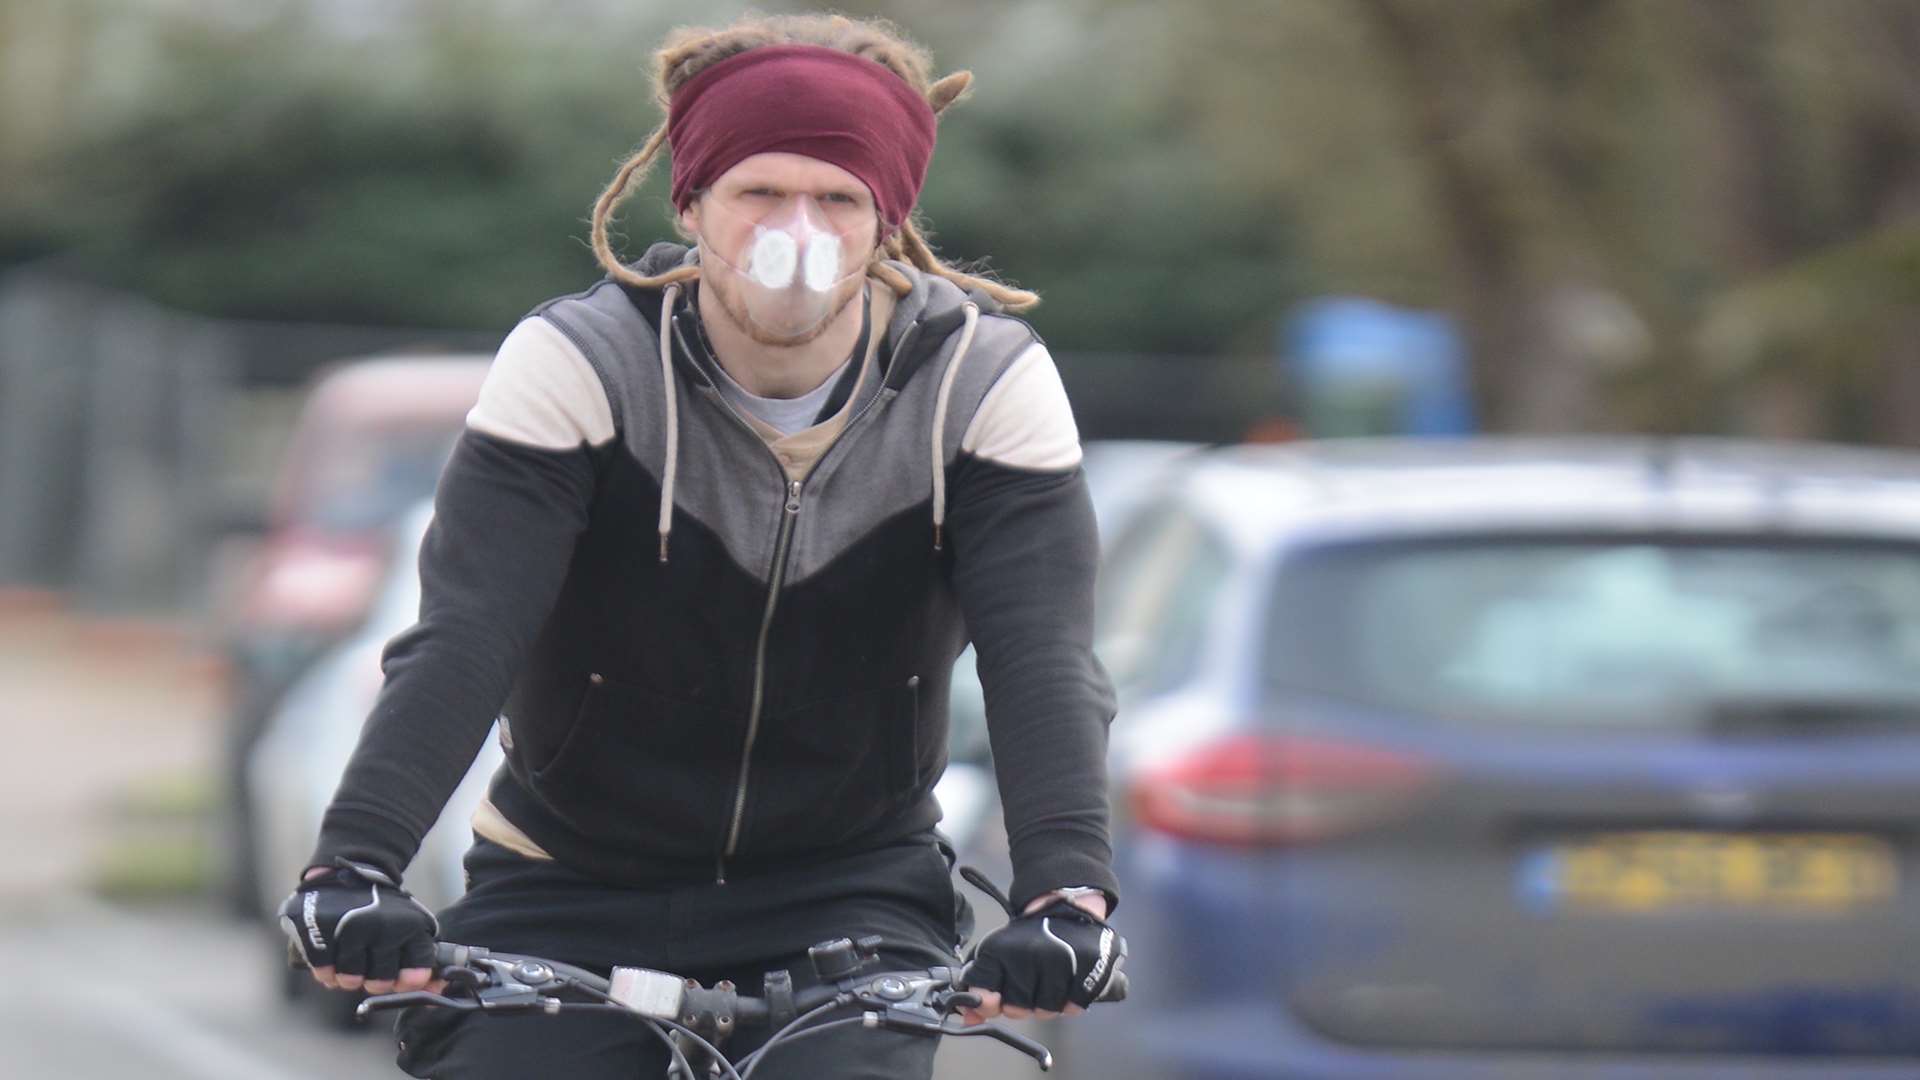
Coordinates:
<point>1669,870</point>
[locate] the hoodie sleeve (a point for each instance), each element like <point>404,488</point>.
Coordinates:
<point>511,502</point>
<point>1025,555</point>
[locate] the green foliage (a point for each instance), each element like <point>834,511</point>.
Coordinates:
<point>329,202</point>
<point>1168,177</point>
<point>444,179</point>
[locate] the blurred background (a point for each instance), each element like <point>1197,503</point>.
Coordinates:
<point>1494,408</point>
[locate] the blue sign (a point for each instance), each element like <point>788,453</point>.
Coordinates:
<point>1363,367</point>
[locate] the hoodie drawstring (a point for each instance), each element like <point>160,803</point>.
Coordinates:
<point>673,417</point>
<point>972,315</point>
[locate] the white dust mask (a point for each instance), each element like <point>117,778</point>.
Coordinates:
<point>787,264</point>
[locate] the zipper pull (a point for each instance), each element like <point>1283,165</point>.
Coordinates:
<point>793,497</point>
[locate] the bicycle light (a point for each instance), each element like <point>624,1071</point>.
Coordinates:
<point>842,958</point>
<point>650,993</point>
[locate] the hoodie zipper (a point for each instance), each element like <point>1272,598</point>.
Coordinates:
<point>776,577</point>
<point>789,512</point>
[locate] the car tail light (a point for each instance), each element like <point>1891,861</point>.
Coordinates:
<point>1258,791</point>
<point>314,584</point>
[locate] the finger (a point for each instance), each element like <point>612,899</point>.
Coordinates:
<point>383,965</point>
<point>324,976</point>
<point>970,1017</point>
<point>1074,1010</point>
<point>417,953</point>
<point>351,969</point>
<point>415,978</point>
<point>1016,1012</point>
<point>378,986</point>
<point>1046,1014</point>
<point>437,986</point>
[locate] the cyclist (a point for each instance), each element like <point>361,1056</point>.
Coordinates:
<point>716,531</point>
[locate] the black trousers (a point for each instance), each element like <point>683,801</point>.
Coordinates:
<point>739,931</point>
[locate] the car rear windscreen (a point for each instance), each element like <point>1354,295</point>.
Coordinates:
<point>1616,632</point>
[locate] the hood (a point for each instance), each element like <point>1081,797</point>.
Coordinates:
<point>922,320</point>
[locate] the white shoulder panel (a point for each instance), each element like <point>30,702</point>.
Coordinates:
<point>1025,420</point>
<point>541,392</point>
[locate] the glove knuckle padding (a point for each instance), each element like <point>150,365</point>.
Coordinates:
<point>984,972</point>
<point>1053,958</point>
<point>358,922</point>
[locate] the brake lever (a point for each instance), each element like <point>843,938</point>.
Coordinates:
<point>1039,1053</point>
<point>384,1002</point>
<point>503,994</point>
<point>924,1007</point>
<point>511,1001</point>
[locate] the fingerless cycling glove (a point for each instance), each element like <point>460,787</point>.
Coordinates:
<point>1057,956</point>
<point>358,921</point>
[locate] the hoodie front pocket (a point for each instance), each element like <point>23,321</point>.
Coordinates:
<point>828,771</point>
<point>641,768</point>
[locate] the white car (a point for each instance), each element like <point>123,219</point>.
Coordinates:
<point>1122,477</point>
<point>293,771</point>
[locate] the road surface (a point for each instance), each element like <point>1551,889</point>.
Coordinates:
<point>175,991</point>
<point>97,992</point>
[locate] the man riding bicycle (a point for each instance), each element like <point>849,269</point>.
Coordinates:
<point>713,538</point>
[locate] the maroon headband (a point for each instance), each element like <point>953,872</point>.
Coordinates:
<point>803,99</point>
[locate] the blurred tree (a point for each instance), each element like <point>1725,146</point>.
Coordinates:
<point>1676,226</point>
<point>1675,217</point>
<point>265,177</point>
<point>434,168</point>
<point>1817,332</point>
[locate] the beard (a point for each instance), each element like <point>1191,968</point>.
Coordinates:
<point>717,279</point>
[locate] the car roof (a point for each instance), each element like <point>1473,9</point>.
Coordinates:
<point>1412,487</point>
<point>397,388</point>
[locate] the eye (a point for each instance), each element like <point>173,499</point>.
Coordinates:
<point>842,198</point>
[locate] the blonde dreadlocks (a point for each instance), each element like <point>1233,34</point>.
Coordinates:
<point>690,50</point>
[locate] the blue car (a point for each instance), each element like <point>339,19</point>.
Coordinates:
<point>1499,758</point>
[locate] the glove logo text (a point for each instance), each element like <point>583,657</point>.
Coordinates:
<point>1100,966</point>
<point>310,911</point>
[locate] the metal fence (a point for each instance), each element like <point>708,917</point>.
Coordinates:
<point>124,448</point>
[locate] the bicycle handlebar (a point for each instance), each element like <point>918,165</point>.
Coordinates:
<point>745,1008</point>
<point>917,1001</point>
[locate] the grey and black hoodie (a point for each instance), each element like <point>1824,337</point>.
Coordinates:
<point>705,667</point>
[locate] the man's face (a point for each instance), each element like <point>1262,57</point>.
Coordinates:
<point>725,215</point>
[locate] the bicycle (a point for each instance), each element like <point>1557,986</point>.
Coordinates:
<point>694,1021</point>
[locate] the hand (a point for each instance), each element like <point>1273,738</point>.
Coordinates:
<point>356,929</point>
<point>1013,955</point>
